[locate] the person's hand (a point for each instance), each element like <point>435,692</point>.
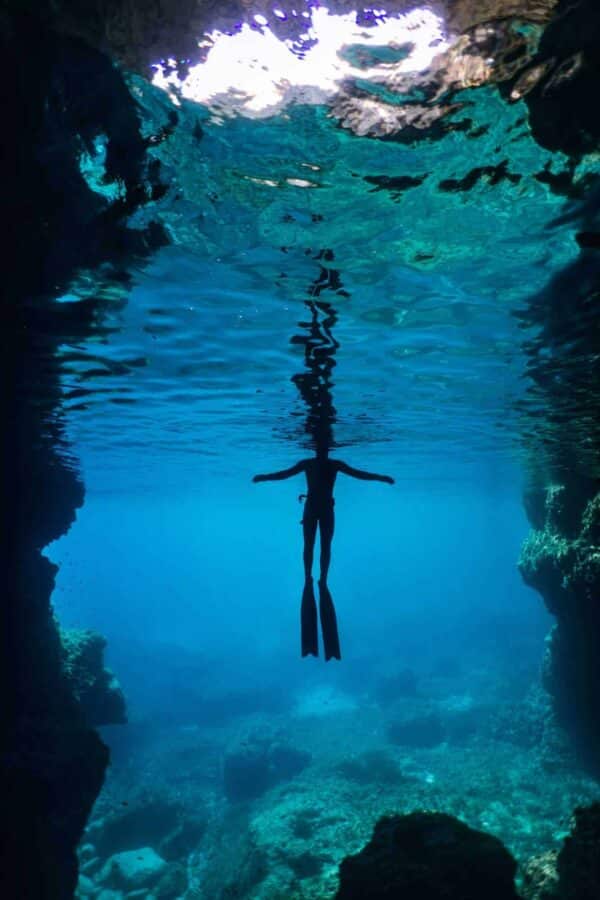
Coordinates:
<point>388,479</point>
<point>257,478</point>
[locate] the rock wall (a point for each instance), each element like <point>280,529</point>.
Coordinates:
<point>573,872</point>
<point>51,761</point>
<point>561,560</point>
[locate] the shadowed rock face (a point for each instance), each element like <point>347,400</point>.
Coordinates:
<point>578,862</point>
<point>51,762</point>
<point>561,559</point>
<point>573,872</point>
<point>428,856</point>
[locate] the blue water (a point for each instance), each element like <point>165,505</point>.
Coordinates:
<point>431,371</point>
<point>218,569</point>
<point>194,574</point>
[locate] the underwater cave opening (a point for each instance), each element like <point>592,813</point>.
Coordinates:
<point>381,243</point>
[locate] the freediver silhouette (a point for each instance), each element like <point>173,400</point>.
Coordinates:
<point>321,472</point>
<point>315,387</point>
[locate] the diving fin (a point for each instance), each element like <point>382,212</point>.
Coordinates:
<point>331,641</point>
<point>308,619</point>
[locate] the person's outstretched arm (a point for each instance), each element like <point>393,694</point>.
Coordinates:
<point>364,476</point>
<point>284,473</point>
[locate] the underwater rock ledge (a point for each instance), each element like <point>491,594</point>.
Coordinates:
<point>95,688</point>
<point>561,559</point>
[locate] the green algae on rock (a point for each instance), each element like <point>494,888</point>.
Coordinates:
<point>95,688</point>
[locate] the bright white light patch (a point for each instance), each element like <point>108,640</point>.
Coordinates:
<point>255,73</point>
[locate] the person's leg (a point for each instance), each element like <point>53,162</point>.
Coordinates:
<point>308,612</point>
<point>326,529</point>
<point>309,525</point>
<point>331,641</point>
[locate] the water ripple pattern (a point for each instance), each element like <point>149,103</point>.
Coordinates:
<point>437,247</point>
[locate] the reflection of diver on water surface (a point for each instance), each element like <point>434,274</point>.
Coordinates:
<point>320,474</point>
<point>315,386</point>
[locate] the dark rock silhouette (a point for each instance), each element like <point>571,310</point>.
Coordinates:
<point>428,856</point>
<point>573,872</point>
<point>52,762</point>
<point>578,862</point>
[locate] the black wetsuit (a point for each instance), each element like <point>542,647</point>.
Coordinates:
<point>318,509</point>
<point>320,474</point>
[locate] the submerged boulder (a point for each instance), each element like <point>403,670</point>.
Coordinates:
<point>133,869</point>
<point>428,856</point>
<point>252,769</point>
<point>146,820</point>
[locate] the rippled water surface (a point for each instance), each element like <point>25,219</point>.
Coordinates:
<point>426,254</point>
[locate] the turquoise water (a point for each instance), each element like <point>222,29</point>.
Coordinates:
<point>430,369</point>
<point>194,574</point>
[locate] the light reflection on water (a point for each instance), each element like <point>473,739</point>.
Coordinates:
<point>425,280</point>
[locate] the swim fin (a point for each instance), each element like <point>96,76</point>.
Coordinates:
<point>331,641</point>
<point>308,619</point>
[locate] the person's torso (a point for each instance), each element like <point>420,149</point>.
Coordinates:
<point>320,478</point>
